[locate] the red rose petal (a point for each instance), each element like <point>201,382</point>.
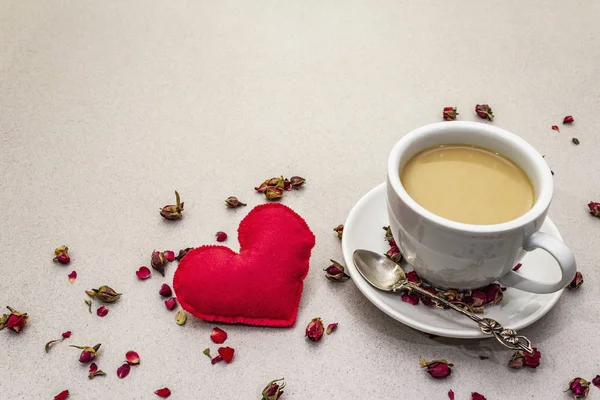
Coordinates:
<point>331,327</point>
<point>568,119</point>
<point>477,396</point>
<point>516,267</point>
<point>596,381</point>
<point>218,335</point>
<point>72,276</point>
<point>165,290</point>
<point>143,273</point>
<point>221,236</point>
<point>62,395</point>
<point>450,394</point>
<point>102,311</point>
<point>132,357</point>
<point>411,298</point>
<point>123,370</point>
<point>171,303</point>
<point>164,392</point>
<point>93,368</point>
<point>226,353</point>
<point>66,334</point>
<point>216,359</point>
<point>169,255</point>
<point>555,128</point>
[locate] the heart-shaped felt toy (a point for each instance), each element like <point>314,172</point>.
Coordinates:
<point>262,284</point>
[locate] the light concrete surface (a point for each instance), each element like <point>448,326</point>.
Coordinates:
<point>108,106</point>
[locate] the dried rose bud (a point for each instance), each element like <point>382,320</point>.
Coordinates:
<point>159,261</point>
<point>226,353</point>
<point>414,278</point>
<point>335,272</point>
<point>596,381</point>
<point>169,255</point>
<point>62,395</point>
<point>173,212</point>
<point>104,294</point>
<point>484,111</point>
<point>394,254</point>
<point>94,371</point>
<point>123,370</point>
<point>494,293</point>
<point>315,330</point>
<point>577,281</point>
<point>15,320</point>
<point>287,185</point>
<point>533,360</point>
<point>221,236</point>
<point>297,181</point>
<point>143,273</point>
<point>477,396</point>
<point>183,252</point>
<point>339,230</point>
<point>517,360</point>
<point>273,390</point>
<point>88,354</point>
<point>233,202</point>
<point>438,369</point>
<point>165,290</point>
<point>218,335</point>
<point>555,128</point>
<point>449,113</point>
<point>279,183</point>
<point>331,327</point>
<point>102,311</point>
<point>61,255</point>
<point>579,387</point>
<point>388,233</point>
<point>262,187</point>
<point>411,298</point>
<point>568,119</point>
<point>164,392</point>
<point>594,208</point>
<point>273,193</point>
<point>171,303</point>
<point>72,277</point>
<point>478,298</point>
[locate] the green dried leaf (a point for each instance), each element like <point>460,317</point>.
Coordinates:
<point>180,317</point>
<point>89,303</point>
<point>50,344</point>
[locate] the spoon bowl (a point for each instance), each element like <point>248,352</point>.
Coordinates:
<point>379,271</point>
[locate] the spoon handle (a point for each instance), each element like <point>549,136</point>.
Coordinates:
<point>508,337</point>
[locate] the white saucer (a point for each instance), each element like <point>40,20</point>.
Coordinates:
<point>518,309</point>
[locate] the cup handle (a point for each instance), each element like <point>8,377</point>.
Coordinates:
<point>559,251</point>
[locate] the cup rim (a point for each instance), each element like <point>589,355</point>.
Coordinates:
<point>544,195</point>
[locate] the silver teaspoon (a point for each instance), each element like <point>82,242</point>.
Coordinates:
<point>384,274</point>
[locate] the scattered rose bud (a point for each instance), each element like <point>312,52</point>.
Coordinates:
<point>594,208</point>
<point>61,255</point>
<point>66,334</point>
<point>206,352</point>
<point>169,255</point>
<point>449,113</point>
<point>394,254</point>
<point>226,353</point>
<point>494,293</point>
<point>273,390</point>
<point>218,335</point>
<point>414,278</point>
<point>517,267</point>
<point>217,359</point>
<point>104,294</point>
<point>533,360</point>
<point>221,236</point>
<point>477,396</point>
<point>575,140</point>
<point>411,298</point>
<point>164,392</point>
<point>273,193</point>
<point>165,290</point>
<point>132,357</point>
<point>339,230</point>
<point>159,261</point>
<point>579,387</point>
<point>438,369</point>
<point>102,311</point>
<point>182,253</point>
<point>123,370</point>
<point>15,320</point>
<point>331,327</point>
<point>517,360</point>
<point>171,303</point>
<point>315,330</point>
<point>233,202</point>
<point>62,395</point>
<point>596,381</point>
<point>180,317</point>
<point>568,119</point>
<point>555,128</point>
<point>89,303</point>
<point>484,111</point>
<point>335,272</point>
<point>143,273</point>
<point>72,276</point>
<point>577,281</point>
<point>94,371</point>
<point>296,181</point>
<point>173,212</point>
<point>88,354</point>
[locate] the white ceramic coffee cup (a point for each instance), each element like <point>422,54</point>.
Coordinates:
<point>451,254</point>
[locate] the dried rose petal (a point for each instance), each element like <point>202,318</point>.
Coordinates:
<point>132,357</point>
<point>532,360</point>
<point>339,230</point>
<point>72,276</point>
<point>335,272</point>
<point>596,381</point>
<point>226,353</point>
<point>414,278</point>
<point>555,128</point>
<point>484,111</point>
<point>66,334</point>
<point>273,390</point>
<point>233,202</point>
<point>143,273</point>
<point>449,113</point>
<point>61,255</point>
<point>123,370</point>
<point>438,369</point>
<point>171,303</point>
<point>102,311</point>
<point>579,387</point>
<point>577,281</point>
<point>411,298</point>
<point>315,330</point>
<point>173,211</point>
<point>218,335</point>
<point>221,236</point>
<point>217,359</point>
<point>169,255</point>
<point>493,293</point>
<point>517,360</point>
<point>450,394</point>
<point>164,392</point>
<point>159,261</point>
<point>62,395</point>
<point>15,320</point>
<point>331,327</point>
<point>88,353</point>
<point>427,300</point>
<point>180,317</point>
<point>477,396</point>
<point>165,290</point>
<point>568,119</point>
<point>594,208</point>
<point>517,267</point>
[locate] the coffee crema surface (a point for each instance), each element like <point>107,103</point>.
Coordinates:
<point>468,184</point>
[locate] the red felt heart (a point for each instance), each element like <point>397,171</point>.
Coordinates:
<point>262,284</point>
